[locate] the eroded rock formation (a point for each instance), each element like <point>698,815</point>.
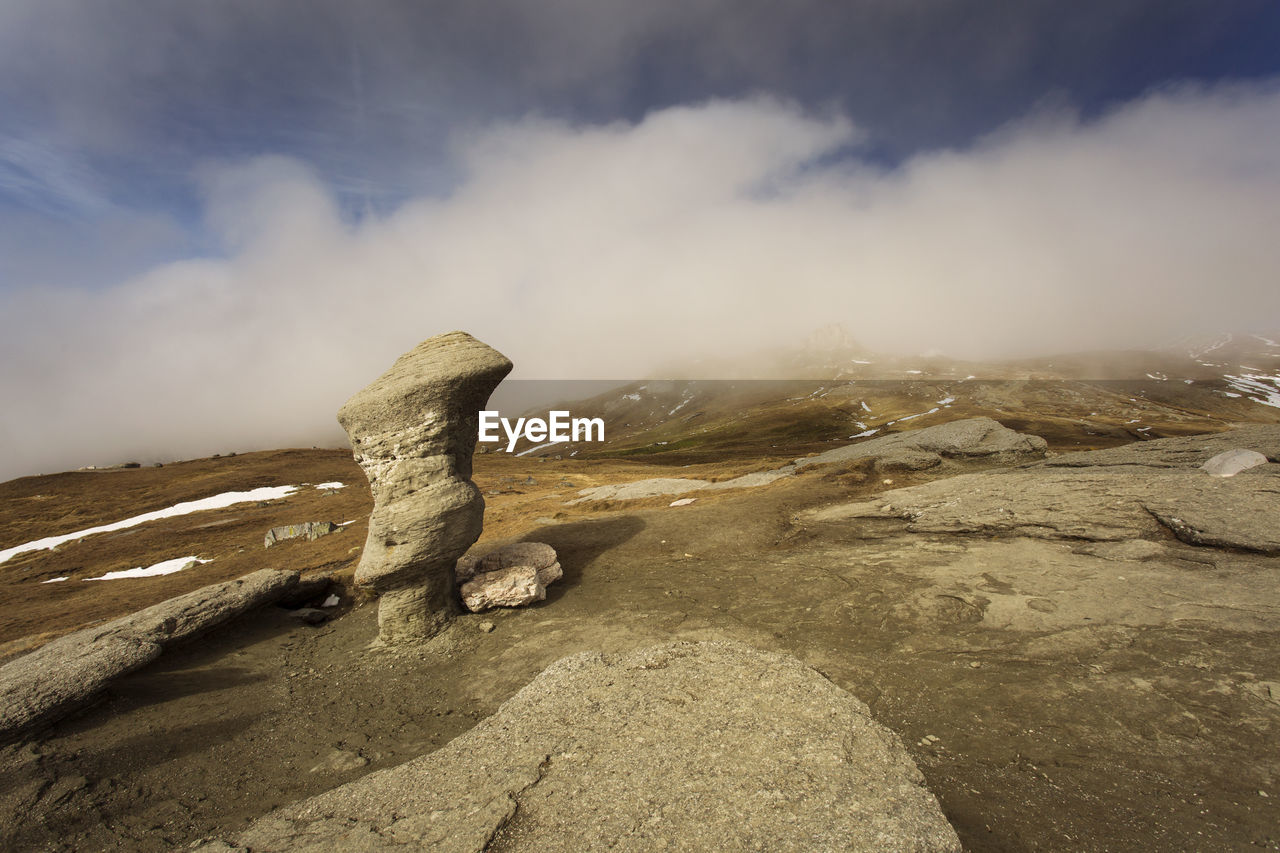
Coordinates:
<point>413,431</point>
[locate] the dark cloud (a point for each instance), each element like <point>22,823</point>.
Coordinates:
<point>370,92</point>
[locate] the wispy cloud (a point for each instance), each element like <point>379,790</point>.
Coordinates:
<point>38,175</point>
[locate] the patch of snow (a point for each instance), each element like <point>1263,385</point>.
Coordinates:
<point>226,499</point>
<point>1267,341</point>
<point>331,485</point>
<point>946,401</point>
<point>967,378</point>
<point>1229,394</point>
<point>537,447</point>
<point>917,372</point>
<point>165,567</point>
<point>683,403</point>
<point>1258,387</point>
<point>866,433</point>
<point>1159,377</point>
<point>331,601</point>
<point>858,361</point>
<point>55,580</point>
<point>682,502</point>
<point>865,407</point>
<point>921,415</point>
<point>1221,343</point>
<point>631,396</point>
<point>1188,381</point>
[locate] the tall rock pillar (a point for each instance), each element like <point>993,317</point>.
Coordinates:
<point>413,431</point>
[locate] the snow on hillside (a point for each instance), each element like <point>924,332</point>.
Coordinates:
<point>219,501</point>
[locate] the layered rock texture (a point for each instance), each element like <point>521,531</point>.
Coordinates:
<point>981,439</point>
<point>413,431</point>
<point>510,576</point>
<point>45,685</point>
<point>686,746</point>
<point>972,438</point>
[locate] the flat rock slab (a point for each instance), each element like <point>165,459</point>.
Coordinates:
<point>1179,452</point>
<point>1106,495</point>
<point>688,746</point>
<point>972,438</point>
<point>1131,537</point>
<point>45,685</point>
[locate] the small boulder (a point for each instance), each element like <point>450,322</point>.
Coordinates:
<point>340,761</point>
<point>310,615</point>
<point>511,587</point>
<point>309,530</point>
<point>1231,462</point>
<point>542,558</point>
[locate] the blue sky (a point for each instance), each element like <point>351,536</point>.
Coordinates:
<point>220,219</point>
<point>111,111</point>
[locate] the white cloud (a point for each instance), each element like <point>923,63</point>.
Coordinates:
<point>599,251</point>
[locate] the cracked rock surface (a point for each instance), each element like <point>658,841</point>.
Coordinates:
<point>413,431</point>
<point>1136,535</point>
<point>662,748</point>
<point>1139,491</point>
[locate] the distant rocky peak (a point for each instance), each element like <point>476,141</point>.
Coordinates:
<point>833,339</point>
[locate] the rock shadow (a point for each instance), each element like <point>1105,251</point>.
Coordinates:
<point>579,543</point>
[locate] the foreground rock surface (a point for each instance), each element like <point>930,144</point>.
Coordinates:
<point>687,746</point>
<point>413,431</point>
<point>47,684</point>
